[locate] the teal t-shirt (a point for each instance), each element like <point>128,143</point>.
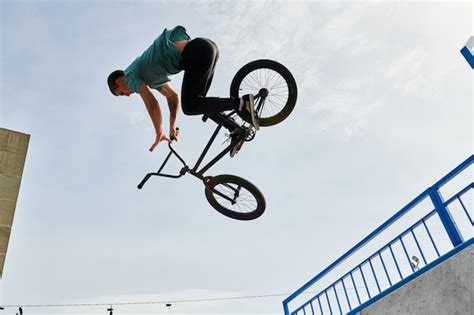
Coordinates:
<point>161,60</point>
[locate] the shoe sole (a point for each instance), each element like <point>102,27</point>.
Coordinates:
<point>239,144</point>
<point>251,109</point>
<point>236,148</point>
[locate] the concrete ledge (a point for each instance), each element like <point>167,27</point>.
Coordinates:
<point>11,163</point>
<point>13,141</point>
<point>7,209</point>
<point>9,186</point>
<point>13,149</point>
<point>446,288</point>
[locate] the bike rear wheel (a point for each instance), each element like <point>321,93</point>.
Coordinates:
<point>274,86</point>
<point>235,197</point>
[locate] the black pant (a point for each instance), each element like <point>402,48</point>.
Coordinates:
<point>199,61</point>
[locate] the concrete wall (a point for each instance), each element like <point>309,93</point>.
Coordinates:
<point>13,148</point>
<point>448,288</point>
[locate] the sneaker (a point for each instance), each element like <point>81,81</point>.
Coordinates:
<point>249,106</point>
<point>237,140</point>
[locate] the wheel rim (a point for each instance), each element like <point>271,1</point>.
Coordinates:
<point>235,198</point>
<point>272,87</point>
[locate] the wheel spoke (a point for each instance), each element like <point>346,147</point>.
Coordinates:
<point>225,193</point>
<point>277,88</point>
<point>235,197</point>
<point>276,85</point>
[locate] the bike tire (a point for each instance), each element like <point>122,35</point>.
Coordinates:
<point>251,197</point>
<point>274,77</point>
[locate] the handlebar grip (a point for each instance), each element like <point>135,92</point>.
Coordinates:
<point>144,180</point>
<point>173,138</point>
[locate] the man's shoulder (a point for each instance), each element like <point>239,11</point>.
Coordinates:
<point>133,66</point>
<point>133,79</point>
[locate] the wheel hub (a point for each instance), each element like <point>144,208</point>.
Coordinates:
<point>263,92</point>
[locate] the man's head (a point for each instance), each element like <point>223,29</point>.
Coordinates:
<point>116,82</point>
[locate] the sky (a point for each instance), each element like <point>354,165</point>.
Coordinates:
<point>384,110</point>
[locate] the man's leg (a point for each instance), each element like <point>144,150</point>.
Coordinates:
<point>199,60</point>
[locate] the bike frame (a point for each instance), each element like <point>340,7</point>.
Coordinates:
<point>222,118</point>
<point>195,171</point>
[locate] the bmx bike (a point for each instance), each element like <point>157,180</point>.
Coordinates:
<point>275,94</point>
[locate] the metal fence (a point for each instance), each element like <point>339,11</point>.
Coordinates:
<point>426,237</point>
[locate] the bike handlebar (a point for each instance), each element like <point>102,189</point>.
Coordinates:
<point>174,138</point>
<point>158,173</point>
<point>144,180</point>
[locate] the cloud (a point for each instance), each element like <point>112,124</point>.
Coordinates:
<point>406,71</point>
<point>324,46</point>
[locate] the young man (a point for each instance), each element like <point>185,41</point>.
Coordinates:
<point>174,51</point>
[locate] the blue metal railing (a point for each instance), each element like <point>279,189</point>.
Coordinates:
<point>423,240</point>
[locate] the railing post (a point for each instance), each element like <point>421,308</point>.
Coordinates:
<point>285,308</point>
<point>445,216</point>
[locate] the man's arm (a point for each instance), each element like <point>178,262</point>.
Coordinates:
<point>155,114</point>
<point>173,103</point>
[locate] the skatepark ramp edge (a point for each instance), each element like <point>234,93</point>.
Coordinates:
<point>433,227</point>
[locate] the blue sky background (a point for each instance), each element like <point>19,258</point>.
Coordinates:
<point>384,110</point>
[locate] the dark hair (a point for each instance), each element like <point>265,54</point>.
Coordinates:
<point>112,78</point>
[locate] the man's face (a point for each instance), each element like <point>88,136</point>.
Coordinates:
<point>122,89</point>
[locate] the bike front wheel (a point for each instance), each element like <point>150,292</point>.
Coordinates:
<point>274,87</point>
<point>235,197</point>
